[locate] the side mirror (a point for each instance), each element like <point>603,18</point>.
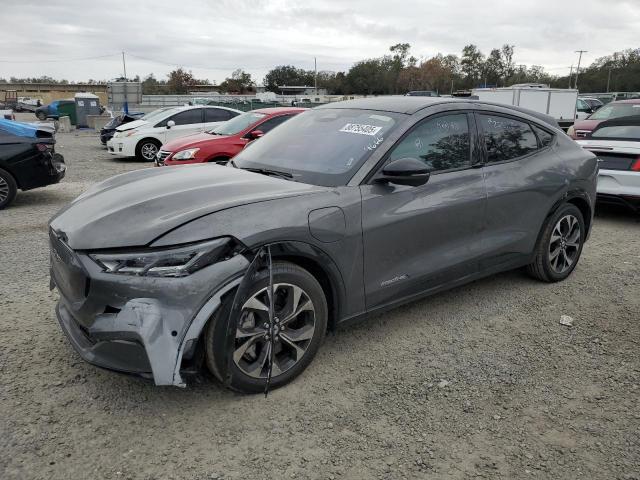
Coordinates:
<point>254,134</point>
<point>404,171</point>
<point>170,124</point>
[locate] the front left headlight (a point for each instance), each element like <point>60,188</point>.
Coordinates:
<point>188,154</point>
<point>167,262</point>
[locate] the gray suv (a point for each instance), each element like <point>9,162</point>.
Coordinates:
<point>343,211</point>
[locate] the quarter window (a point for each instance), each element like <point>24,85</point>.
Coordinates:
<point>545,137</point>
<point>442,143</point>
<point>506,138</point>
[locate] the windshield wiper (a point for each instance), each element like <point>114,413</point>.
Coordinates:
<point>272,173</point>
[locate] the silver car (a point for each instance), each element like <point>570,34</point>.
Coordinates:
<point>346,210</point>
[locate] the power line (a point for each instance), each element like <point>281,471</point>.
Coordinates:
<point>61,60</point>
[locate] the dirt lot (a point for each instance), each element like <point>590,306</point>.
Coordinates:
<point>481,381</point>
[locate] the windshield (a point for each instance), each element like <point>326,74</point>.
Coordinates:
<point>237,124</point>
<point>616,111</point>
<point>321,146</point>
<point>157,114</point>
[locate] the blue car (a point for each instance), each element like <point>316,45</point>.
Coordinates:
<point>51,110</point>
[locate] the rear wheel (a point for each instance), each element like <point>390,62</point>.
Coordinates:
<point>8,188</point>
<point>300,323</point>
<point>147,149</point>
<point>560,245</point>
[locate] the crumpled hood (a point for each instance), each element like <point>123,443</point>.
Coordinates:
<point>135,208</point>
<point>192,141</point>
<point>131,125</point>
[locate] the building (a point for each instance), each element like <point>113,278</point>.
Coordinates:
<point>48,92</point>
<point>300,90</point>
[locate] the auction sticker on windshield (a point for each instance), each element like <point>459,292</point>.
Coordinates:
<point>360,129</point>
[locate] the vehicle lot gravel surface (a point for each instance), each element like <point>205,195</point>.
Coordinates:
<point>479,382</point>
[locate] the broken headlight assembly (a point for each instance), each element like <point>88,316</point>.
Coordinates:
<point>177,261</point>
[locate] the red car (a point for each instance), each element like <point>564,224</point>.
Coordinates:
<point>225,141</point>
<point>621,108</point>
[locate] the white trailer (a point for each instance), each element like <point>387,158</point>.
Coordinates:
<point>560,103</point>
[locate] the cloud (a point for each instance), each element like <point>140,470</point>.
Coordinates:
<point>214,38</point>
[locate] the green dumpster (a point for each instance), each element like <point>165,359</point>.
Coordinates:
<point>67,108</point>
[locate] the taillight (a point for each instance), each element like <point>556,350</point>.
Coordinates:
<point>636,165</point>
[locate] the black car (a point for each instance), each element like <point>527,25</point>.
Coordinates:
<point>27,159</point>
<point>110,128</point>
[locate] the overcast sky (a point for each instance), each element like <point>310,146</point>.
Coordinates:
<point>212,38</point>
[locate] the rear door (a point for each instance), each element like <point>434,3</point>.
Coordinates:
<point>419,237</point>
<point>523,177</point>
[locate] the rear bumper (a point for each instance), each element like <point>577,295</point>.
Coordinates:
<point>619,183</point>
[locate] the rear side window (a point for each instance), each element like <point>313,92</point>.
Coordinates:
<point>506,138</point>
<point>442,143</point>
<point>218,115</point>
<point>187,117</point>
<point>545,137</point>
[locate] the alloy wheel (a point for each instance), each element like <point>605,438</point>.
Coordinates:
<point>564,244</point>
<point>294,328</point>
<point>149,151</point>
<point>4,190</point>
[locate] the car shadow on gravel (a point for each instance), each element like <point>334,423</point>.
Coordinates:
<point>617,213</point>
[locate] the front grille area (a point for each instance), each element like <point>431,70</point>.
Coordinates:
<point>582,133</point>
<point>162,155</point>
<point>614,161</point>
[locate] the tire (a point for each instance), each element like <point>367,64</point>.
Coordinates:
<point>559,246</point>
<point>219,160</point>
<point>41,116</point>
<point>8,188</point>
<point>146,148</point>
<point>289,276</point>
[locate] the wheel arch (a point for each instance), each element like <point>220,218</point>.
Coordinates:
<point>153,139</point>
<point>319,264</point>
<point>12,175</point>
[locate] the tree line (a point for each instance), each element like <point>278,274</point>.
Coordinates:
<point>399,71</point>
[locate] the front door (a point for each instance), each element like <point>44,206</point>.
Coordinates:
<point>416,238</point>
<point>187,122</point>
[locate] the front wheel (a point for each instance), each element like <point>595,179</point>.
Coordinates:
<point>41,116</point>
<point>147,150</point>
<point>560,245</point>
<point>300,322</point>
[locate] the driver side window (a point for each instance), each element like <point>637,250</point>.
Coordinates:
<point>442,143</point>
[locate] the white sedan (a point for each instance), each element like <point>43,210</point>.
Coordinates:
<point>143,138</point>
<point>617,145</point>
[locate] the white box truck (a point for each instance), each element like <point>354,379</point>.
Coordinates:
<point>560,103</point>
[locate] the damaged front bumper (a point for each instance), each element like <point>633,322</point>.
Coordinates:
<point>140,325</point>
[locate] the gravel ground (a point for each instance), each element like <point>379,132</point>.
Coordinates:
<point>481,381</point>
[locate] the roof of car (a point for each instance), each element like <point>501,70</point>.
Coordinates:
<point>410,105</point>
<point>390,103</point>
<point>275,110</point>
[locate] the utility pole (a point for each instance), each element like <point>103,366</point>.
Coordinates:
<point>570,75</point>
<point>315,77</point>
<point>578,67</point>
<point>608,79</point>
<point>125,107</point>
